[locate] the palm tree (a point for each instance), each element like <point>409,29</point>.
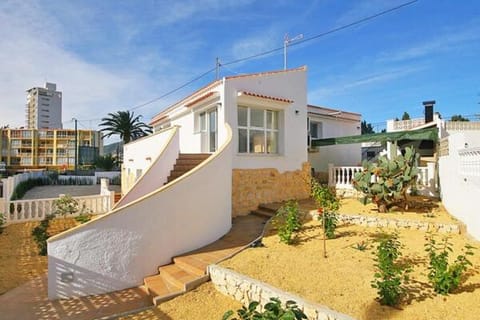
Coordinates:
<point>126,125</point>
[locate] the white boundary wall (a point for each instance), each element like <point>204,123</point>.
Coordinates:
<point>116,251</point>
<point>155,157</point>
<point>460,179</point>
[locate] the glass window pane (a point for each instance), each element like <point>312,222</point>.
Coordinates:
<point>313,130</point>
<point>242,140</point>
<point>242,116</point>
<point>257,141</point>
<point>203,122</point>
<point>256,118</point>
<point>272,119</point>
<point>272,142</point>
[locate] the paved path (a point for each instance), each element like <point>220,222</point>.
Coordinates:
<point>30,302</point>
<point>43,192</point>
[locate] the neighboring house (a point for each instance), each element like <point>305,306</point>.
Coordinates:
<point>328,123</point>
<point>216,154</point>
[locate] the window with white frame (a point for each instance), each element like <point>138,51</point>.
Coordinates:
<point>257,130</point>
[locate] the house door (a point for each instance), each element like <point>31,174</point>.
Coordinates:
<point>208,130</point>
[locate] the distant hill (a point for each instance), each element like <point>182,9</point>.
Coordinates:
<point>112,148</point>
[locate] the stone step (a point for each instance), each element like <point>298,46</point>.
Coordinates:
<point>262,212</point>
<point>161,290</point>
<point>189,162</point>
<point>184,167</point>
<point>181,277</point>
<point>194,156</point>
<point>191,264</point>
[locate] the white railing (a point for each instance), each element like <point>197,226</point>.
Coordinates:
<point>408,124</point>
<point>36,209</point>
<point>462,125</point>
<point>342,178</point>
<point>469,162</point>
<point>10,183</point>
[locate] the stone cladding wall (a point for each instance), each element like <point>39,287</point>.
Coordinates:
<point>251,187</point>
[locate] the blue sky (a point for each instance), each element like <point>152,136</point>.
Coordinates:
<point>113,55</point>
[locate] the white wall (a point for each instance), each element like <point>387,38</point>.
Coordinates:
<point>338,155</point>
<point>118,250</point>
<point>157,169</point>
<point>291,85</point>
<point>142,153</point>
<point>459,191</point>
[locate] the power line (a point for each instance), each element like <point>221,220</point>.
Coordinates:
<point>261,54</point>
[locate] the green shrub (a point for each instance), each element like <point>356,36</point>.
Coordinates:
<point>2,222</point>
<point>273,310</point>
<point>82,218</point>
<point>328,205</point>
<point>443,276</point>
<point>389,276</point>
<point>26,185</point>
<point>65,205</point>
<point>386,182</point>
<point>287,221</point>
<point>40,235</point>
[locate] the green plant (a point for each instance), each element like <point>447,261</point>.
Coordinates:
<point>287,221</point>
<point>106,162</point>
<point>328,205</point>
<point>386,182</point>
<point>2,222</point>
<point>82,218</point>
<point>443,276</point>
<point>65,205</point>
<point>361,246</point>
<point>273,310</point>
<point>40,235</point>
<point>389,276</point>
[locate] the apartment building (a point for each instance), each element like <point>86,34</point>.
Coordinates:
<point>25,149</point>
<point>44,107</point>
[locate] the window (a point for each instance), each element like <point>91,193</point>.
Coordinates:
<point>315,130</point>
<point>257,130</point>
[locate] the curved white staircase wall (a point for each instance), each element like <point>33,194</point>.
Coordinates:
<point>118,250</point>
<point>155,155</point>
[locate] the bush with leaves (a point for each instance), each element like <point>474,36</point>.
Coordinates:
<point>65,205</point>
<point>443,276</point>
<point>328,205</point>
<point>273,310</point>
<point>389,274</point>
<point>287,221</point>
<point>40,235</point>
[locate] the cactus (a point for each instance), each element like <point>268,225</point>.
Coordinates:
<point>386,182</point>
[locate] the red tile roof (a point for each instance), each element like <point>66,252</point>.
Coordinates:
<point>257,95</point>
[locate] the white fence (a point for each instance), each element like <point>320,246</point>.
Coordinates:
<point>10,183</point>
<point>342,178</point>
<point>36,209</point>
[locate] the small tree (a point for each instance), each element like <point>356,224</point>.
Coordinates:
<point>405,116</point>
<point>287,221</point>
<point>106,162</point>
<point>389,274</point>
<point>458,117</point>
<point>65,205</point>
<point>367,128</point>
<point>386,182</point>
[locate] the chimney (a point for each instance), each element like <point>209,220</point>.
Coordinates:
<point>428,110</point>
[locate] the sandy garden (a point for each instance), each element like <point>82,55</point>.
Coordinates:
<point>341,281</point>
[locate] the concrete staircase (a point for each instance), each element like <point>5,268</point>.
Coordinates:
<point>186,162</point>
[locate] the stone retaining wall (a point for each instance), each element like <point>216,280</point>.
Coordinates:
<point>246,290</point>
<point>378,222</point>
<point>251,187</point>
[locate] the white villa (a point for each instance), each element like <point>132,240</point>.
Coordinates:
<point>216,154</point>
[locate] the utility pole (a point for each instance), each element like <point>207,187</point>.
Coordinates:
<point>76,143</point>
<point>286,42</point>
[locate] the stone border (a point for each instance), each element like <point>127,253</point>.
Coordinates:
<point>245,289</point>
<point>426,226</point>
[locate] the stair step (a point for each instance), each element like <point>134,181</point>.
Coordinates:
<point>181,277</point>
<point>191,264</point>
<point>184,167</point>
<point>189,162</point>
<point>160,289</point>
<point>260,212</point>
<point>194,156</point>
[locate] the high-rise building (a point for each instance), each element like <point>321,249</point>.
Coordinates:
<point>44,107</point>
